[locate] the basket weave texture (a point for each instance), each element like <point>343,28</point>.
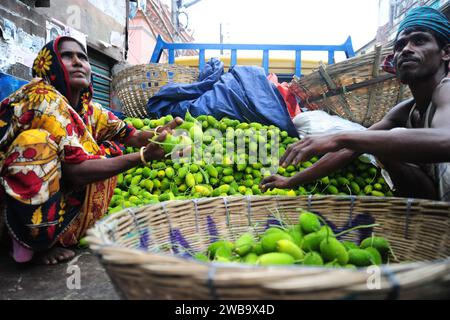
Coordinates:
<point>137,247</point>
<point>355,89</point>
<point>135,85</point>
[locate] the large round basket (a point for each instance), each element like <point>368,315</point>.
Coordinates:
<point>135,85</point>
<point>140,249</point>
<point>355,89</point>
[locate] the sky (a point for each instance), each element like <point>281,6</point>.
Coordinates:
<point>284,21</point>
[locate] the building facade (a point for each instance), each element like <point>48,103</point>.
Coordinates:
<point>392,12</point>
<point>148,19</point>
<point>25,27</point>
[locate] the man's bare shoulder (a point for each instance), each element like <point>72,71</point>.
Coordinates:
<point>441,99</point>
<point>399,114</point>
<point>441,95</point>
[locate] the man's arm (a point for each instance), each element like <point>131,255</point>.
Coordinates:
<point>412,145</point>
<point>334,160</point>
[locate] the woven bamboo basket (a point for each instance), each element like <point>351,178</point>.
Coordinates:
<point>138,249</point>
<point>355,89</point>
<point>135,85</point>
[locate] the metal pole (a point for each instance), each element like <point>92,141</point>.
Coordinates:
<point>175,21</point>
<point>221,38</point>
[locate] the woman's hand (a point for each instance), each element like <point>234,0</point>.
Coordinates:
<point>141,138</point>
<point>154,151</point>
<point>309,147</point>
<point>274,181</point>
<point>170,126</point>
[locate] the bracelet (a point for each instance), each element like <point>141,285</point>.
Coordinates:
<point>155,131</point>
<point>141,152</point>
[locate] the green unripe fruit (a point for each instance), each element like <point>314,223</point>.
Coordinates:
<point>332,189</point>
<point>169,172</point>
<point>275,258</point>
<point>134,190</point>
<point>349,245</point>
<point>201,257</point>
<point>379,243</point>
<point>227,172</point>
<point>332,264</point>
<point>359,257</point>
<point>166,196</point>
<point>376,256</point>
<point>212,171</point>
<point>250,258</point>
<point>228,179</point>
<point>190,180</point>
<point>269,241</point>
<point>296,234</point>
<point>257,249</point>
<point>272,230</point>
<point>311,242</point>
<point>135,180</point>
<point>213,247</point>
<point>290,248</point>
<point>332,249</point>
<point>244,244</point>
<point>355,187</point>
<point>313,259</point>
<point>368,189</point>
<point>148,184</point>
<point>198,178</point>
<point>308,222</point>
<point>223,252</point>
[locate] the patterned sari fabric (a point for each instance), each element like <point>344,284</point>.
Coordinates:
<point>39,130</point>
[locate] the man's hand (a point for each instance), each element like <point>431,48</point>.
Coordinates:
<point>274,181</point>
<point>309,147</point>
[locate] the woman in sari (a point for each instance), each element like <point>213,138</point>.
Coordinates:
<point>58,156</point>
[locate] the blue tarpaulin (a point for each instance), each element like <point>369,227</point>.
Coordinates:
<point>9,84</point>
<point>244,93</point>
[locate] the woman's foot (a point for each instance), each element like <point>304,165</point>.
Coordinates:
<point>54,255</point>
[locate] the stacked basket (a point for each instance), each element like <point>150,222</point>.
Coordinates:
<point>135,85</point>
<point>355,89</point>
<point>137,247</point>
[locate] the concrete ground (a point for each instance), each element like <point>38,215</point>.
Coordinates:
<point>82,278</point>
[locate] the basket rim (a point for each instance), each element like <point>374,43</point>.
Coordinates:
<point>98,244</point>
<point>216,279</point>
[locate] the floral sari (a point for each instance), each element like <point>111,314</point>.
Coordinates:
<point>38,131</point>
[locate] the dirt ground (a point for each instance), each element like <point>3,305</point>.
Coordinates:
<point>82,278</point>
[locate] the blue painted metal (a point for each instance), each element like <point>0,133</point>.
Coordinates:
<point>161,45</point>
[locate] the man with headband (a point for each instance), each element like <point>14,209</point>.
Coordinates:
<point>413,140</point>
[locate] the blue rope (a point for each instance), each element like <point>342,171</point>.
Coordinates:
<point>210,282</point>
<point>195,201</point>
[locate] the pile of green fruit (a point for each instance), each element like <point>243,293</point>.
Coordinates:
<point>306,243</point>
<point>213,170</point>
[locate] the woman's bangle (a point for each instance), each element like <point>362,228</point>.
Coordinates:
<point>156,129</point>
<point>141,152</point>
